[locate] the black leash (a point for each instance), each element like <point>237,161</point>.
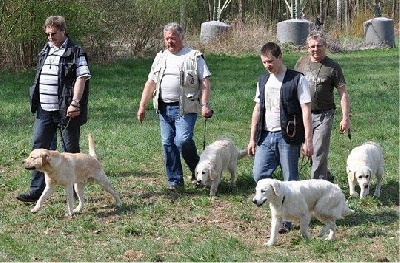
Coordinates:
<point>61,132</point>
<point>205,128</point>
<point>204,134</point>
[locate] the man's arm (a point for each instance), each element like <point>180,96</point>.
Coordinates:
<point>251,147</point>
<point>147,94</point>
<point>205,87</point>
<point>79,87</point>
<point>345,105</point>
<point>308,148</point>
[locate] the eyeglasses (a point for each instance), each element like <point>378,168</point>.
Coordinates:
<point>51,34</point>
<point>316,46</point>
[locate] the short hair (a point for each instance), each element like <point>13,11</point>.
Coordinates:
<point>317,35</point>
<point>271,48</point>
<point>55,21</point>
<point>175,27</point>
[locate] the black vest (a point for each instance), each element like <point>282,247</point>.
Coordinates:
<point>67,78</point>
<point>290,110</point>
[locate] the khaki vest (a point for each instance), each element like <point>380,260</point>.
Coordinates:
<point>190,93</point>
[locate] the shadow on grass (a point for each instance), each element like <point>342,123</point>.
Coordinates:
<point>390,192</point>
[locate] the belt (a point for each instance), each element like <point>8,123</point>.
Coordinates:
<point>176,103</point>
<point>319,111</point>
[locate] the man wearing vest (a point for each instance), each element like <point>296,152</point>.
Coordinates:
<point>281,119</point>
<point>179,85</point>
<point>58,96</point>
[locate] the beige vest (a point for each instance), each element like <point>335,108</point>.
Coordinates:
<point>190,93</point>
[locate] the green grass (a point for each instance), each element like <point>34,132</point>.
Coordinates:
<point>154,225</point>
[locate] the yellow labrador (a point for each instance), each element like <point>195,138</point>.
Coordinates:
<point>69,170</point>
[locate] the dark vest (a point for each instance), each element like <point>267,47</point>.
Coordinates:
<point>66,78</point>
<point>290,110</point>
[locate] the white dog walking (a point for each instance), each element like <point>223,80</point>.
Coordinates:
<point>363,163</point>
<point>216,157</point>
<point>299,200</point>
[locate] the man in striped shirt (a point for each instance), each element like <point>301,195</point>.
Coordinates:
<point>58,96</point>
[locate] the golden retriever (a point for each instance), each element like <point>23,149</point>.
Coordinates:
<point>363,163</point>
<point>299,200</point>
<point>69,170</point>
<point>216,157</point>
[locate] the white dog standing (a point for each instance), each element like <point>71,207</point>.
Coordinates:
<point>363,163</point>
<point>216,157</point>
<point>299,200</point>
<point>69,170</point>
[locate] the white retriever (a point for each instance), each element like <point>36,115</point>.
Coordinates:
<point>363,163</point>
<point>216,157</point>
<point>70,170</point>
<point>299,200</point>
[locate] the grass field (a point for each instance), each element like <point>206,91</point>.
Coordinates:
<point>155,225</point>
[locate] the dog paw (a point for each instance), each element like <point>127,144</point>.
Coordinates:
<point>35,209</point>
<point>269,243</point>
<point>76,210</point>
<point>354,194</point>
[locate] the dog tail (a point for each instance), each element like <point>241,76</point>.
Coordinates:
<point>242,154</point>
<point>91,145</point>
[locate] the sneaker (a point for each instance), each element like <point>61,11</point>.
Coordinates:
<point>174,188</point>
<point>286,227</point>
<point>29,197</point>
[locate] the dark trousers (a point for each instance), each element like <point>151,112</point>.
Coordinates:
<point>45,129</point>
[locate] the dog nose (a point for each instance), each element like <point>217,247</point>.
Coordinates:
<point>254,201</point>
<point>365,186</point>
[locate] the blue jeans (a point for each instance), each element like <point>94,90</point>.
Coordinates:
<point>274,151</point>
<point>177,140</point>
<point>45,129</point>
<point>322,129</point>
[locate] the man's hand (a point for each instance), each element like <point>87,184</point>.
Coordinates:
<point>141,114</point>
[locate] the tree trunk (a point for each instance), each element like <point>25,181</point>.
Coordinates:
<point>240,13</point>
<point>339,13</point>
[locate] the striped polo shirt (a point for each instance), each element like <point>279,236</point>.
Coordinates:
<point>48,81</point>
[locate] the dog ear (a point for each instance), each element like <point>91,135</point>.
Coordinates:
<point>369,173</point>
<point>211,174</point>
<point>45,159</point>
<point>276,187</point>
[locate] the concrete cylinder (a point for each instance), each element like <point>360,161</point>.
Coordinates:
<point>212,30</point>
<point>379,31</point>
<point>293,31</point>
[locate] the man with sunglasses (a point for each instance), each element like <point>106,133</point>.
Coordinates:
<point>281,119</point>
<point>324,75</point>
<point>58,96</point>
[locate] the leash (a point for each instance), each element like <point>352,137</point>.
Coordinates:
<point>304,161</point>
<point>205,128</point>
<point>61,132</point>
<point>204,134</point>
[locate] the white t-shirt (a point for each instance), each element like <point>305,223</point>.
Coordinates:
<point>272,99</point>
<point>170,83</point>
<point>48,81</point>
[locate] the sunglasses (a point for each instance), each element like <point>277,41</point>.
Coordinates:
<point>51,34</point>
<point>316,46</point>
